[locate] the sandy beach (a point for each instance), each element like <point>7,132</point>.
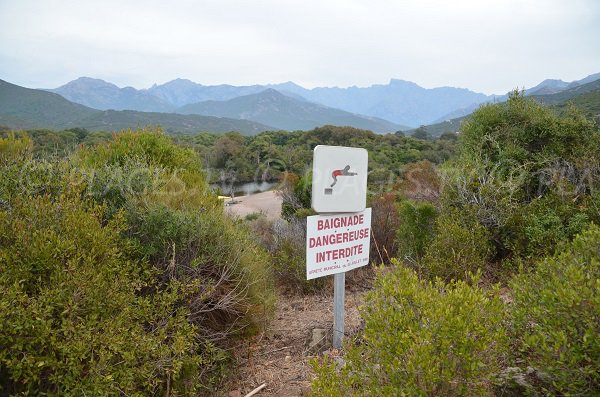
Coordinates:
<point>268,203</point>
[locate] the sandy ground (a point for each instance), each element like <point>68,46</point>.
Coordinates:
<point>280,355</point>
<point>268,203</point>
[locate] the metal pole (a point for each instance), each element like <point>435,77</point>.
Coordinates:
<point>339,284</point>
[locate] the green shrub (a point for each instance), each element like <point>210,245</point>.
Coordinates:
<point>208,278</point>
<point>179,226</point>
<point>13,146</point>
<point>253,216</point>
<point>296,195</point>
<point>460,246</point>
<point>288,249</point>
<point>230,272</point>
<point>547,223</point>
<point>80,318</point>
<point>421,339</point>
<point>415,230</point>
<point>555,313</point>
<point>527,174</point>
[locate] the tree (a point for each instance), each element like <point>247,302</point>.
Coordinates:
<point>421,133</point>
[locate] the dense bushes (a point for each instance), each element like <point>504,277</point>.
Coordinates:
<point>437,338</point>
<point>556,312</point>
<point>460,246</point>
<point>384,223</point>
<point>74,319</point>
<point>180,228</point>
<point>286,242</point>
<point>525,178</point>
<point>525,184</point>
<point>421,338</point>
<point>125,266</point>
<point>415,229</point>
<point>269,154</point>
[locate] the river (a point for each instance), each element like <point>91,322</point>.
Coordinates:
<point>243,189</point>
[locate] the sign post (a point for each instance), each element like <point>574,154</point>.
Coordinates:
<point>339,289</point>
<point>338,239</point>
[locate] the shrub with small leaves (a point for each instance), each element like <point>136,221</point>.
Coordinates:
<point>556,316</point>
<point>460,246</point>
<point>79,317</point>
<point>421,338</point>
<point>415,230</point>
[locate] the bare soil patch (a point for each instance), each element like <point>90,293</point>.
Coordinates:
<point>280,355</point>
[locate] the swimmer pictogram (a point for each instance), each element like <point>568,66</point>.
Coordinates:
<point>339,182</point>
<point>343,172</point>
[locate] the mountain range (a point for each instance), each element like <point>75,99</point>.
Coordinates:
<point>558,94</point>
<point>399,102</point>
<point>184,106</point>
<point>28,108</point>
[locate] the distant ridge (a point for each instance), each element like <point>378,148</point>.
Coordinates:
<point>29,108</point>
<point>99,94</point>
<point>583,94</point>
<point>281,111</point>
<point>400,102</point>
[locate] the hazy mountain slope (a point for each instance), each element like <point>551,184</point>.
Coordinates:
<point>182,92</point>
<point>585,97</point>
<point>569,93</point>
<point>118,120</point>
<point>437,129</point>
<point>554,86</point>
<point>28,108</point>
<point>546,87</point>
<point>402,102</point>
<point>273,108</point>
<point>589,103</point>
<point>585,80</point>
<point>99,94</point>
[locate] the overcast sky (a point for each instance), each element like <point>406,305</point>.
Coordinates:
<point>486,46</point>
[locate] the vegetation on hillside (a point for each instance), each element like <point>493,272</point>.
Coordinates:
<point>519,205</point>
<point>268,155</point>
<point>120,271</point>
<point>122,275</point>
<point>27,108</point>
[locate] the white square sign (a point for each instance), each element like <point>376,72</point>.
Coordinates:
<point>339,180</point>
<point>337,243</point>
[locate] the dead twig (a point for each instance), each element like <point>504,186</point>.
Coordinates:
<point>259,388</point>
<point>273,351</point>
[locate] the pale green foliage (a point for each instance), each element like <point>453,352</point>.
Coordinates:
<point>460,246</point>
<point>527,175</point>
<point>73,320</point>
<point>556,318</point>
<point>13,147</point>
<point>415,230</point>
<point>121,274</point>
<point>421,339</point>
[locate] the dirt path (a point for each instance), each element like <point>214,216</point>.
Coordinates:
<point>280,356</point>
<point>268,203</point>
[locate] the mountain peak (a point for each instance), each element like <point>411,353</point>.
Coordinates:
<point>403,83</point>
<point>179,83</point>
<point>271,92</point>
<point>89,82</point>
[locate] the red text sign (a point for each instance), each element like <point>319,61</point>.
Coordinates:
<point>337,243</point>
